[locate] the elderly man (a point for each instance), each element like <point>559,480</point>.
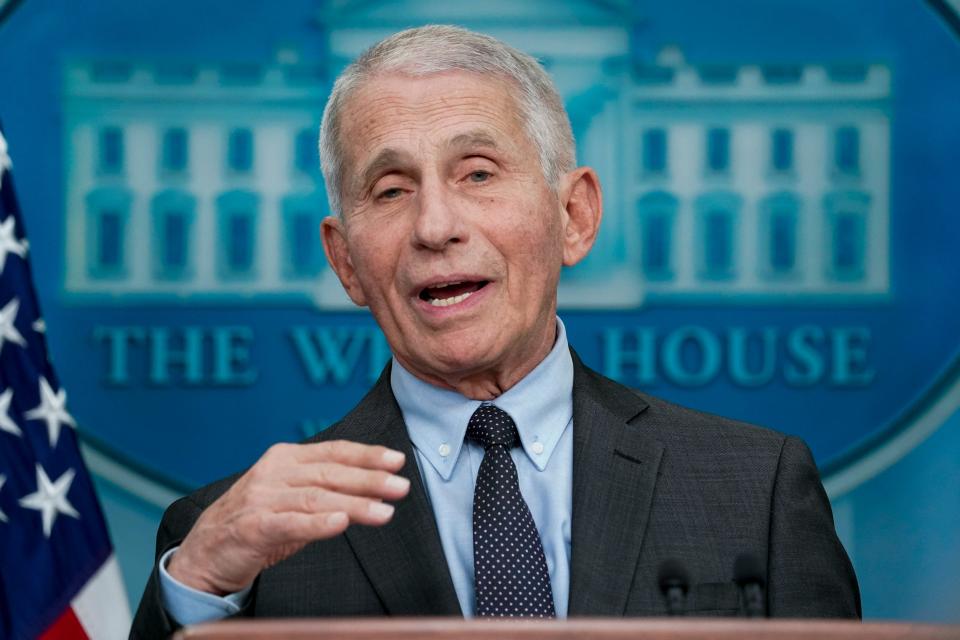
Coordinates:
<point>488,472</point>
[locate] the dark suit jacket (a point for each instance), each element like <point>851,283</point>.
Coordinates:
<point>651,481</point>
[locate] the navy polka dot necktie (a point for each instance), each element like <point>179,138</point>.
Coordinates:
<point>510,569</point>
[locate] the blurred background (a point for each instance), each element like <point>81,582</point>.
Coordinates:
<point>781,241</point>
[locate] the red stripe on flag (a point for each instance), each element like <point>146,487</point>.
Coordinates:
<point>66,627</point>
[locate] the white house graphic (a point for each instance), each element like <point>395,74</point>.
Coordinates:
<point>735,182</point>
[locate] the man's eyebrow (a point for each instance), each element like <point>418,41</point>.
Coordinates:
<point>473,139</point>
<point>386,158</point>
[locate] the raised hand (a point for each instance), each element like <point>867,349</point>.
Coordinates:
<point>293,495</point>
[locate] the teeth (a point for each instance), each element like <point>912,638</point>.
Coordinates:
<point>436,302</point>
<point>446,284</point>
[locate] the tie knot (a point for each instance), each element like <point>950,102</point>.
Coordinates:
<point>490,426</point>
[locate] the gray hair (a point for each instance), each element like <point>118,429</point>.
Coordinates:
<point>438,48</point>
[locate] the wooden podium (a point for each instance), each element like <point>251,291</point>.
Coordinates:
<point>580,628</point>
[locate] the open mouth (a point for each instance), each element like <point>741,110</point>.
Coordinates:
<point>450,293</point>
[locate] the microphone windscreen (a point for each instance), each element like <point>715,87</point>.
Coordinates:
<point>673,574</point>
<point>747,569</point>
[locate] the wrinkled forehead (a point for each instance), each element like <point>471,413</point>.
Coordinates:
<point>392,111</point>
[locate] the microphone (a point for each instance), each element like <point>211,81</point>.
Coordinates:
<point>749,576</point>
<point>674,584</point>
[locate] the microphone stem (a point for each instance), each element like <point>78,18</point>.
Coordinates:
<point>753,594</point>
<point>675,601</point>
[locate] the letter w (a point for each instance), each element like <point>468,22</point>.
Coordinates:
<point>329,352</point>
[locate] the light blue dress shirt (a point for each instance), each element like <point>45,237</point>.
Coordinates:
<point>541,405</point>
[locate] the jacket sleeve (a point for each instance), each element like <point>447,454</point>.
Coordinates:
<point>809,572</point>
<point>152,620</point>
<point>190,606</point>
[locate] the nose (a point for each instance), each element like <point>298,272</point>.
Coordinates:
<point>439,221</point>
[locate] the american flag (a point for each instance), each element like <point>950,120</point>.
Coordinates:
<point>58,574</point>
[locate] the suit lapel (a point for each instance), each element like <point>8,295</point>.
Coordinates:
<point>614,472</point>
<point>403,559</point>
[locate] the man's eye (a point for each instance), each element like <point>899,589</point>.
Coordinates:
<point>479,176</point>
<point>390,194</point>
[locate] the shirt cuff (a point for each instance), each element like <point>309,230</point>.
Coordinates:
<point>187,605</point>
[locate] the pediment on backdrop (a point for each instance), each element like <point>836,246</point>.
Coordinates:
<point>544,13</point>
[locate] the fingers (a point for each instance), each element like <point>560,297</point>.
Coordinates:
<point>350,480</point>
<point>293,494</point>
<point>293,526</point>
<point>323,478</point>
<point>341,466</point>
<point>316,500</point>
<point>352,454</point>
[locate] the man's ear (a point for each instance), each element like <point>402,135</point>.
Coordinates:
<point>582,200</point>
<point>334,237</point>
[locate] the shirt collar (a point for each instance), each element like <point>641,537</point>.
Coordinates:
<point>541,404</point>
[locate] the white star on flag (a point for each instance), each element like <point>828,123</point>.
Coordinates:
<point>3,516</point>
<point>52,410</point>
<point>8,331</point>
<point>8,241</point>
<point>39,325</point>
<point>50,498</point>
<point>6,423</point>
<point>5,161</point>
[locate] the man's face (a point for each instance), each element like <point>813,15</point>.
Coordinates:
<point>450,231</point>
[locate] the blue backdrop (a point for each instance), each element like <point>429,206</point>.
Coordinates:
<point>779,245</point>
